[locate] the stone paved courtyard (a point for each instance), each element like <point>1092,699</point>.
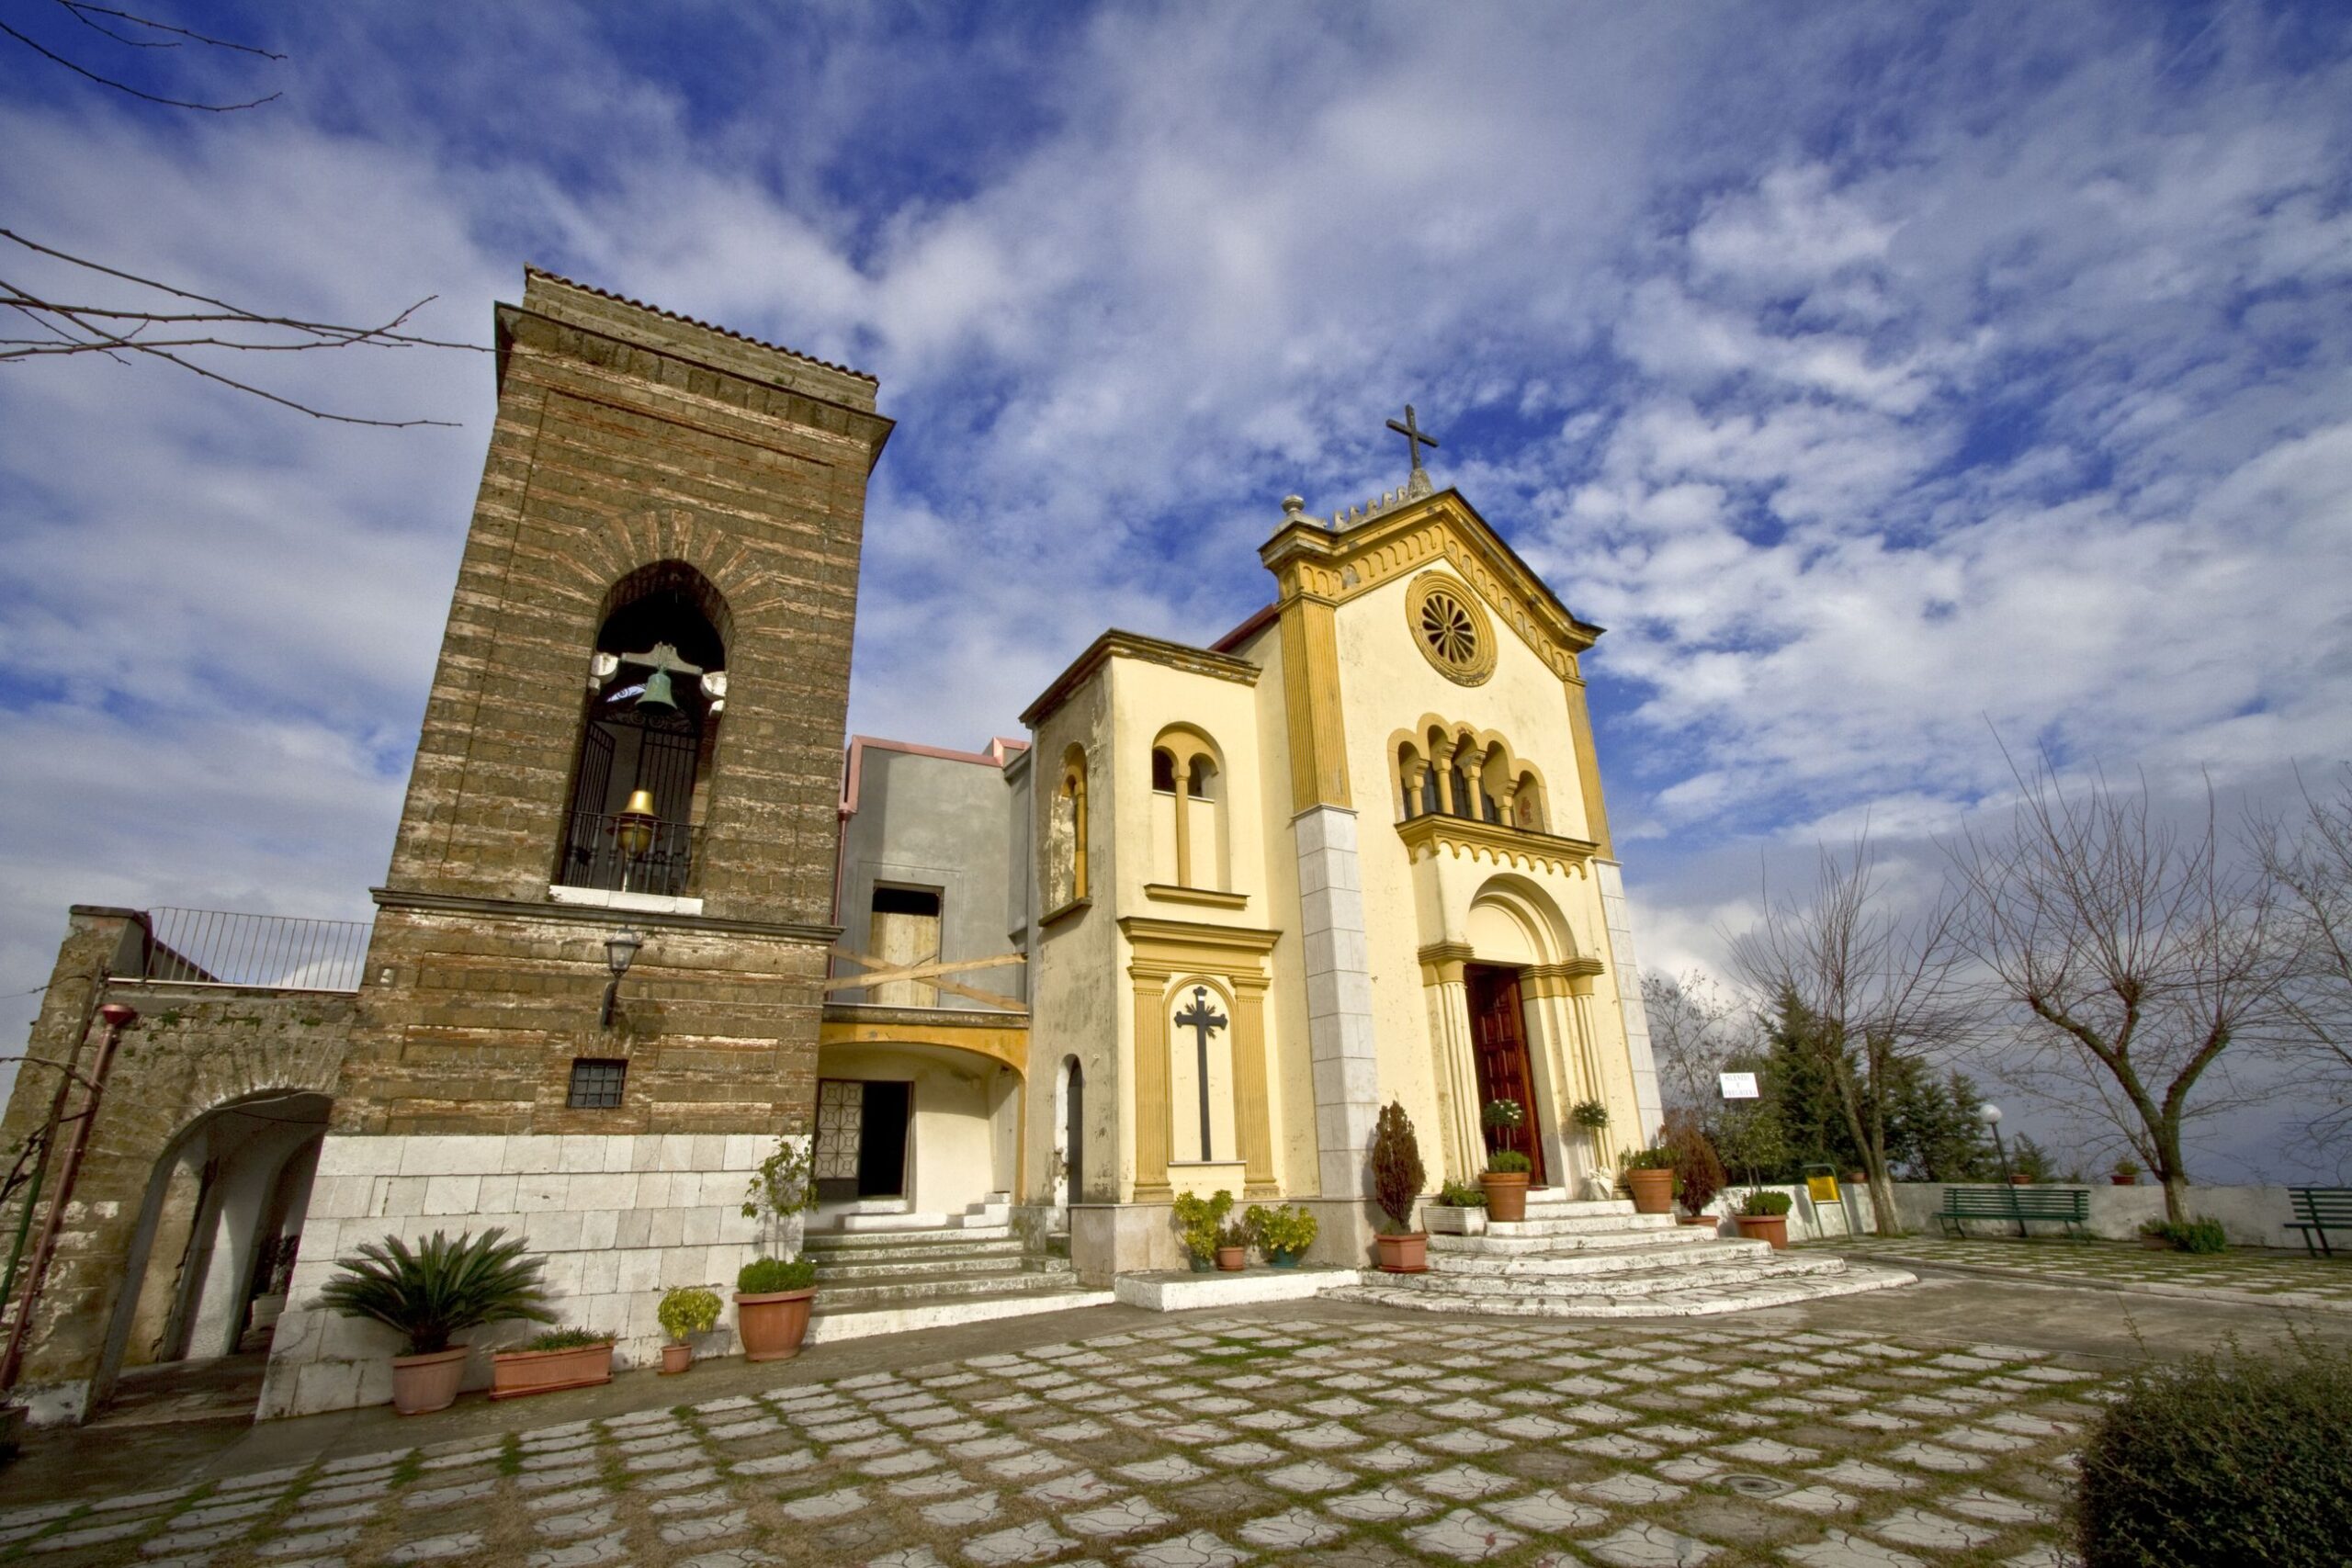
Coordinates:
<point>2277,1277</point>
<point>1188,1443</point>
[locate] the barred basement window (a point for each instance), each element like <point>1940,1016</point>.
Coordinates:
<point>596,1083</point>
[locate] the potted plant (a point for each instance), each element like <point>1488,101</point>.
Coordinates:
<point>561,1358</point>
<point>1650,1174</point>
<point>1699,1172</point>
<point>1198,1222</point>
<point>1764,1216</point>
<point>1283,1233</point>
<point>783,1188</point>
<point>2126,1172</point>
<point>685,1310</point>
<point>1396,1177</point>
<point>443,1288</point>
<point>773,1299</point>
<point>2156,1234</point>
<point>1589,1115</point>
<point>1232,1248</point>
<point>1505,1183</point>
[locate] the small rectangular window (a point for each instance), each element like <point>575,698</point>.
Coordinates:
<point>596,1083</point>
<point>907,901</point>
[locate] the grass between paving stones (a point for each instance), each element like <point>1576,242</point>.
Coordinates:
<point>1115,1399</point>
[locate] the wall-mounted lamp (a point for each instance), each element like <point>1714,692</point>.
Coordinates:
<point>620,952</point>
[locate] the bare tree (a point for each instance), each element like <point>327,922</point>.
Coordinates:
<point>83,307</point>
<point>2308,864</point>
<point>1878,983</point>
<point>1694,1030</point>
<point>2134,953</point>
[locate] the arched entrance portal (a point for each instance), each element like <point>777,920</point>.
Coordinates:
<point>214,1250</point>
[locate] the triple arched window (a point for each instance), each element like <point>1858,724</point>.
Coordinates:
<point>1454,770</point>
<point>1189,825</point>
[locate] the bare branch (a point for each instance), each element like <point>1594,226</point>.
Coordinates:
<point>81,12</point>
<point>125,86</point>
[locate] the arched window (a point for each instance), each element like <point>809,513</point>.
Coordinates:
<point>1527,805</point>
<point>1066,835</point>
<point>1187,811</point>
<point>640,780</point>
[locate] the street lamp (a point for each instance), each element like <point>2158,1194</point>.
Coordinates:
<point>620,952</point>
<point>1990,1114</point>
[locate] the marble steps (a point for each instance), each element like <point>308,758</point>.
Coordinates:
<point>870,1252</point>
<point>1593,1262</point>
<point>829,1324</point>
<point>1551,1204</point>
<point>817,1242</point>
<point>1494,1244</point>
<point>1030,1276</point>
<point>1771,1288</point>
<point>1716,1273</point>
<point>1582,1224</point>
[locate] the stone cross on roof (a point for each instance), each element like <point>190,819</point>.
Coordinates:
<point>1410,429</point>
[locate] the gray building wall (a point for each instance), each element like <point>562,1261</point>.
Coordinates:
<point>940,820</point>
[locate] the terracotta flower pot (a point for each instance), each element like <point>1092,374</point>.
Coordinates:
<point>1232,1260</point>
<point>2125,1180</point>
<point>1405,1254</point>
<point>676,1359</point>
<point>1708,1220</point>
<point>2016,1180</point>
<point>1773,1228</point>
<point>1653,1190</point>
<point>422,1384</point>
<point>2155,1242</point>
<point>772,1323</point>
<point>1506,1194</point>
<point>515,1374</point>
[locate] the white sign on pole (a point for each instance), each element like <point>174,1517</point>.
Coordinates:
<point>1739,1086</point>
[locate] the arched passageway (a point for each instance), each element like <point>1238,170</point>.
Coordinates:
<point>215,1246</point>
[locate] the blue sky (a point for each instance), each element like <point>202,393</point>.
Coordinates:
<point>1884,378</point>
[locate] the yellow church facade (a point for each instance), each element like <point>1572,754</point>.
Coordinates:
<point>1355,851</point>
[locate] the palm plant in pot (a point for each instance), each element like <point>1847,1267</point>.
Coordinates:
<point>1764,1216</point>
<point>429,1295</point>
<point>1396,1177</point>
<point>1505,1178</point>
<point>686,1311</point>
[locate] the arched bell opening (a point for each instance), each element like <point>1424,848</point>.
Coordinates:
<point>214,1251</point>
<point>641,777</point>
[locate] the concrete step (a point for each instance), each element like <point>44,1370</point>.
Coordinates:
<point>900,1249</point>
<point>1048,1274</point>
<point>829,1323</point>
<point>860,1268</point>
<point>1582,1224</point>
<point>1594,1261</point>
<point>819,1241</point>
<point>1552,1203</point>
<point>901,1222</point>
<point>1714,1275</point>
<point>1512,1245</point>
<point>1700,1301</point>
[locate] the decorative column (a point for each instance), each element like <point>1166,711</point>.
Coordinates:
<point>1417,772</point>
<point>1454,1064</point>
<point>1252,1115</point>
<point>1152,1130</point>
<point>1184,823</point>
<point>1471,770</point>
<point>1543,992</point>
<point>1443,762</point>
<point>1581,973</point>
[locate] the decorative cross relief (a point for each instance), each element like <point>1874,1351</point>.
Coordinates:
<point>1202,1021</point>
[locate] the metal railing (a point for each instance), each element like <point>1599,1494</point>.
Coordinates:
<point>214,947</point>
<point>593,857</point>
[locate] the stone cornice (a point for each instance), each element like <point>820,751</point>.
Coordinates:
<point>1161,948</point>
<point>1117,644</point>
<point>596,914</point>
<point>1426,836</point>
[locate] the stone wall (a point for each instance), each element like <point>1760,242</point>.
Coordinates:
<point>618,1219</point>
<point>195,1049</point>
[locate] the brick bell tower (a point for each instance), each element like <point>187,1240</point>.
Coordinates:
<point>634,731</point>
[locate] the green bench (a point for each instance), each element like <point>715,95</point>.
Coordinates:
<point>2070,1206</point>
<point>2316,1208</point>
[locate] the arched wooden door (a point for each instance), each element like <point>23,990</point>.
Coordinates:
<point>1499,1045</point>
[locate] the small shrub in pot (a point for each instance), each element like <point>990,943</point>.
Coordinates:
<point>685,1312</point>
<point>430,1293</point>
<point>1396,1179</point>
<point>773,1299</point>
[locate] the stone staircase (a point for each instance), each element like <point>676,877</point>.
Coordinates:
<point>965,1269</point>
<point>1574,1258</point>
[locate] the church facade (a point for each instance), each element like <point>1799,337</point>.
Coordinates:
<point>645,914</point>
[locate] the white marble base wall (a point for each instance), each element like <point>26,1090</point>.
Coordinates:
<point>1346,1065</point>
<point>618,1218</point>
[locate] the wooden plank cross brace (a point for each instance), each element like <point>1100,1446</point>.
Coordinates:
<point>879,976</point>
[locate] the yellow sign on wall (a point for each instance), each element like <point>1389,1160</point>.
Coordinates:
<point>1822,1189</point>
